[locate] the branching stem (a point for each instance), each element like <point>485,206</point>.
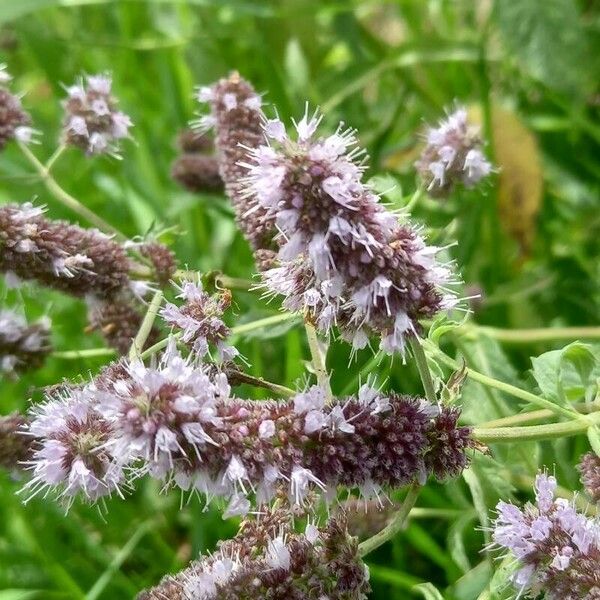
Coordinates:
<point>396,525</point>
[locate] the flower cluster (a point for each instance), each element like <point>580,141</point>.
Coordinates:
<point>199,319</point>
<point>70,448</point>
<point>118,319</point>
<point>92,121</point>
<point>59,255</point>
<point>14,447</point>
<point>14,121</point>
<point>22,346</point>
<point>179,423</point>
<point>163,261</point>
<point>557,548</point>
<point>196,169</point>
<point>589,467</point>
<point>452,155</point>
<point>236,115</point>
<point>344,259</point>
<point>269,559</point>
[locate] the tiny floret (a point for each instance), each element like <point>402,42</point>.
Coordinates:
<point>92,121</point>
<point>343,259</point>
<point>453,155</point>
<point>556,547</point>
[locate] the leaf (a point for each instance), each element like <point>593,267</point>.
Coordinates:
<point>520,182</point>
<point>456,543</point>
<point>481,403</point>
<point>593,434</point>
<point>548,39</point>
<point>14,10</point>
<point>296,66</point>
<point>567,374</point>
<point>428,591</point>
<point>471,584</point>
<point>501,580</point>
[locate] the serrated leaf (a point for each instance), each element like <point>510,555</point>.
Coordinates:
<point>428,591</point>
<point>481,403</point>
<point>566,374</point>
<point>548,39</point>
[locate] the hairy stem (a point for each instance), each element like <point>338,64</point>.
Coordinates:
<point>242,377</point>
<point>66,199</point>
<point>500,385</point>
<point>535,415</point>
<point>396,525</point>
<point>495,435</point>
<point>55,156</point>
<point>532,336</point>
<point>423,367</point>
<point>146,326</point>
<point>90,353</point>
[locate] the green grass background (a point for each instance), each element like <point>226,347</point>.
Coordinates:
<point>385,68</point>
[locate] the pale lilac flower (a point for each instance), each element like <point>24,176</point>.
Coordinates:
<point>14,121</point>
<point>343,258</point>
<point>71,454</point>
<point>557,548</point>
<point>278,555</point>
<point>160,412</point>
<point>23,346</point>
<point>269,559</point>
<point>199,318</point>
<point>92,121</point>
<point>452,155</point>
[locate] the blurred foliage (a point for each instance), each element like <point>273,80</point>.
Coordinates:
<point>529,245</point>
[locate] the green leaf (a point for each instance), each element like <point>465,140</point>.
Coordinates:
<point>428,591</point>
<point>501,580</point>
<point>471,584</point>
<point>567,374</point>
<point>456,542</point>
<point>593,434</point>
<point>296,66</point>
<point>548,39</point>
<point>480,403</point>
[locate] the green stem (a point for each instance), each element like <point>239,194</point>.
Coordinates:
<point>260,323</point>
<point>532,336</point>
<point>495,435</point>
<point>423,367</point>
<point>66,199</point>
<point>52,160</point>
<point>397,523</point>
<point>98,588</point>
<point>245,328</point>
<point>535,415</point>
<point>419,193</point>
<point>75,354</point>
<point>281,390</point>
<point>500,385</point>
<point>159,346</point>
<point>318,359</point>
<point>146,326</point>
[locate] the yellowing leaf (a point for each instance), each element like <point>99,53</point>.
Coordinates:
<point>520,180</point>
